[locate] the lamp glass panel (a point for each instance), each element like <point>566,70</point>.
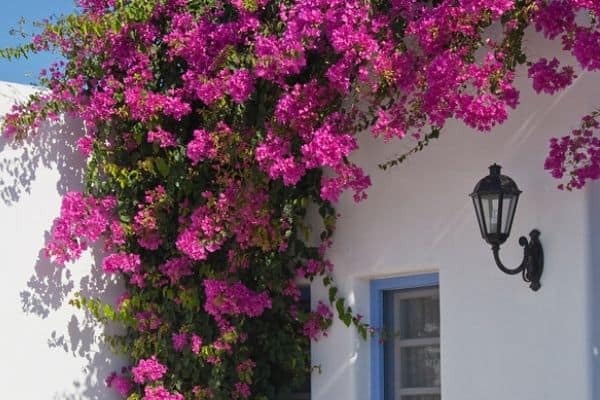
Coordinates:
<point>508,209</point>
<point>479,215</point>
<point>490,204</point>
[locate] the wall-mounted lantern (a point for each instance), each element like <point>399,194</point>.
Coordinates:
<point>495,199</point>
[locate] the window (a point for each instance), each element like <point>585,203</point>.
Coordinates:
<point>407,365</point>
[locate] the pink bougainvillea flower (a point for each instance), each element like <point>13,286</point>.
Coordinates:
<point>148,370</point>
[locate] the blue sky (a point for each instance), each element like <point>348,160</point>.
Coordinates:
<point>27,70</point>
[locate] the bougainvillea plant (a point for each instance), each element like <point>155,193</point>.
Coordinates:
<point>213,125</point>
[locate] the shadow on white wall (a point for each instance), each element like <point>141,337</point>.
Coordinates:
<point>37,172</point>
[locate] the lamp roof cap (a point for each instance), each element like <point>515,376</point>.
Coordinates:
<point>496,183</point>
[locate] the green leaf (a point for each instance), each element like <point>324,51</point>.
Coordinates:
<point>332,293</point>
<point>346,319</point>
<point>339,305</point>
<point>109,312</point>
<point>162,166</point>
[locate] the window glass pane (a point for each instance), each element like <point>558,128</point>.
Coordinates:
<point>419,317</point>
<point>420,366</point>
<point>304,298</point>
<point>411,353</point>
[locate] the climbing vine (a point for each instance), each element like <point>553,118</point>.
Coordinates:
<point>214,126</point>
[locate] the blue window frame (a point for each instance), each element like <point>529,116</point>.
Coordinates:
<point>378,288</point>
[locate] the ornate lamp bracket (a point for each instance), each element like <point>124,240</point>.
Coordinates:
<point>532,265</point>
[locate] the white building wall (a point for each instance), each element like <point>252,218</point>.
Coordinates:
<point>593,286</point>
<point>499,340</point>
<point>48,349</point>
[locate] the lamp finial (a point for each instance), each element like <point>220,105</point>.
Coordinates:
<point>495,169</point>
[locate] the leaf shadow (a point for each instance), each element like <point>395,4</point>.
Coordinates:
<point>52,147</point>
<point>84,338</point>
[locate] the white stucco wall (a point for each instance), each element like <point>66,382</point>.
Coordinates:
<point>48,350</point>
<point>499,340</point>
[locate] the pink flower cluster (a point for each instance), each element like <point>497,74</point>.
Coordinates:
<point>299,107</point>
<point>127,263</point>
<point>181,340</point>
<point>433,73</point>
<point>148,370</point>
<point>162,137</point>
<point>160,393</point>
<point>292,290</point>
<point>145,223</point>
<point>245,367</point>
<point>176,268</point>
<point>144,104</point>
<point>275,157</point>
<point>585,48</point>
<point>242,210</point>
<point>558,18</point>
<point>577,154</point>
<point>555,18</point>
<point>547,78</point>
<point>314,268</point>
<point>202,236</point>
<point>82,221</point>
<point>196,342</point>
<point>349,177</point>
<point>120,384</point>
<point>201,147</point>
<point>241,390</point>
<point>223,298</point>
<point>318,322</point>
<point>147,321</point>
<point>328,147</point>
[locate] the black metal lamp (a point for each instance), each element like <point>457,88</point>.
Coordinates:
<point>495,199</point>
